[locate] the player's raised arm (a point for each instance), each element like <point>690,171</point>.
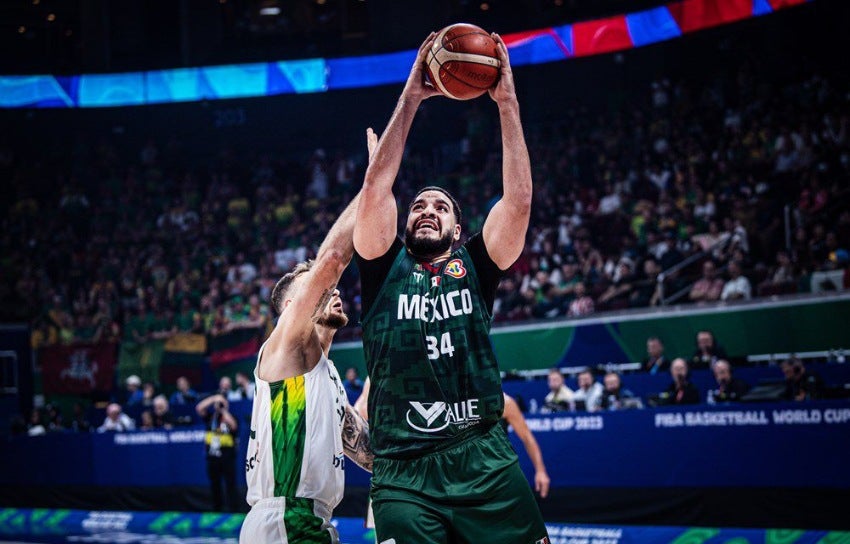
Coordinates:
<point>308,301</point>
<point>506,225</point>
<point>377,215</point>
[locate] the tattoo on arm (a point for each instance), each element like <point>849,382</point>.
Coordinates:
<point>323,300</point>
<point>355,439</point>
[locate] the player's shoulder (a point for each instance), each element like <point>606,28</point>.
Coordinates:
<point>472,245</point>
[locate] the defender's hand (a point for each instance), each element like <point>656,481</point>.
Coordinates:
<point>371,142</point>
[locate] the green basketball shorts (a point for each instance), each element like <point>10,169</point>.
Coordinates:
<point>471,493</point>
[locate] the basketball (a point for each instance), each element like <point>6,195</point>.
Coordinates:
<point>463,62</point>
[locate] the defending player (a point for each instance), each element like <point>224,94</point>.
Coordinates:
<point>301,423</point>
<point>444,470</point>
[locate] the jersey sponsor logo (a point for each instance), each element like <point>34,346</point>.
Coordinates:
<point>433,417</point>
<point>455,268</point>
<point>445,305</point>
<point>418,276</point>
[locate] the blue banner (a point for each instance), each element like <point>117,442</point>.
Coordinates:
<point>319,75</point>
<point>701,446</point>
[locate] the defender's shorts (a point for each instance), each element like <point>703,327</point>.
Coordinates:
<point>471,493</point>
<point>285,520</point>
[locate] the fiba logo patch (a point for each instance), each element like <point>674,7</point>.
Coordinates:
<point>455,268</point>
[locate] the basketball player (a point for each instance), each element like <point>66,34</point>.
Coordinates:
<point>444,470</point>
<point>301,423</point>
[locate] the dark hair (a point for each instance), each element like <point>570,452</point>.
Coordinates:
<point>282,286</point>
<point>455,205</point>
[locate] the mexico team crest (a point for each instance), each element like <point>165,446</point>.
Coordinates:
<point>455,268</point>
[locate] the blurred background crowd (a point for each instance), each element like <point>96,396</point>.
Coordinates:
<point>727,183</point>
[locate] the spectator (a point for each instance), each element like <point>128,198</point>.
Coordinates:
<point>148,394</point>
<point>582,304</point>
<point>146,421</point>
<point>560,397</point>
<point>79,423</point>
<point>220,443</point>
<point>655,360</point>
<point>800,383</point>
<point>782,278</point>
<point>353,385</point>
<point>116,420</point>
<point>681,390</point>
<point>162,418</point>
<point>225,388</point>
<point>729,388</point>
<point>646,291</point>
<point>709,287</point>
<point>189,319</point>
<point>588,396</point>
<point>707,352</point>
<point>244,388</point>
<point>133,392</point>
<point>184,395</point>
<point>53,418</point>
<point>618,293</point>
<point>614,397</point>
<point>738,286</point>
<point>36,427</point>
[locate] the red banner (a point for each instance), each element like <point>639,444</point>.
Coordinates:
<point>79,368</point>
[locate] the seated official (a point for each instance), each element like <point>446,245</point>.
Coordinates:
<point>729,388</point>
<point>681,390</point>
<point>560,397</point>
<point>614,397</point>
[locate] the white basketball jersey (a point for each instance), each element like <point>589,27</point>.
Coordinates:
<point>295,446</point>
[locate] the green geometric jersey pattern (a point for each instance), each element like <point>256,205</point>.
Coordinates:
<point>435,379</point>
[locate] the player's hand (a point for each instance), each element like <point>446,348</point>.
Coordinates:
<point>504,91</point>
<point>371,142</point>
<point>416,88</point>
<point>541,483</point>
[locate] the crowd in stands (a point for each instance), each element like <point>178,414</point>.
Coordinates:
<point>137,248</point>
<point>100,246</point>
<point>800,384</point>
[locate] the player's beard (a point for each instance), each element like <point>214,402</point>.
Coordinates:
<point>426,248</point>
<point>333,320</point>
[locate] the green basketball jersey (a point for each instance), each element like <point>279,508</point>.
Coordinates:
<point>435,379</point>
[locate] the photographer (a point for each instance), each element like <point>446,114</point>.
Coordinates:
<point>220,440</point>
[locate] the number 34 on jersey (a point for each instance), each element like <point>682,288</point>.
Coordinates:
<point>445,346</point>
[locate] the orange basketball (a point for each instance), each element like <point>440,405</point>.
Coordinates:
<point>463,62</point>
